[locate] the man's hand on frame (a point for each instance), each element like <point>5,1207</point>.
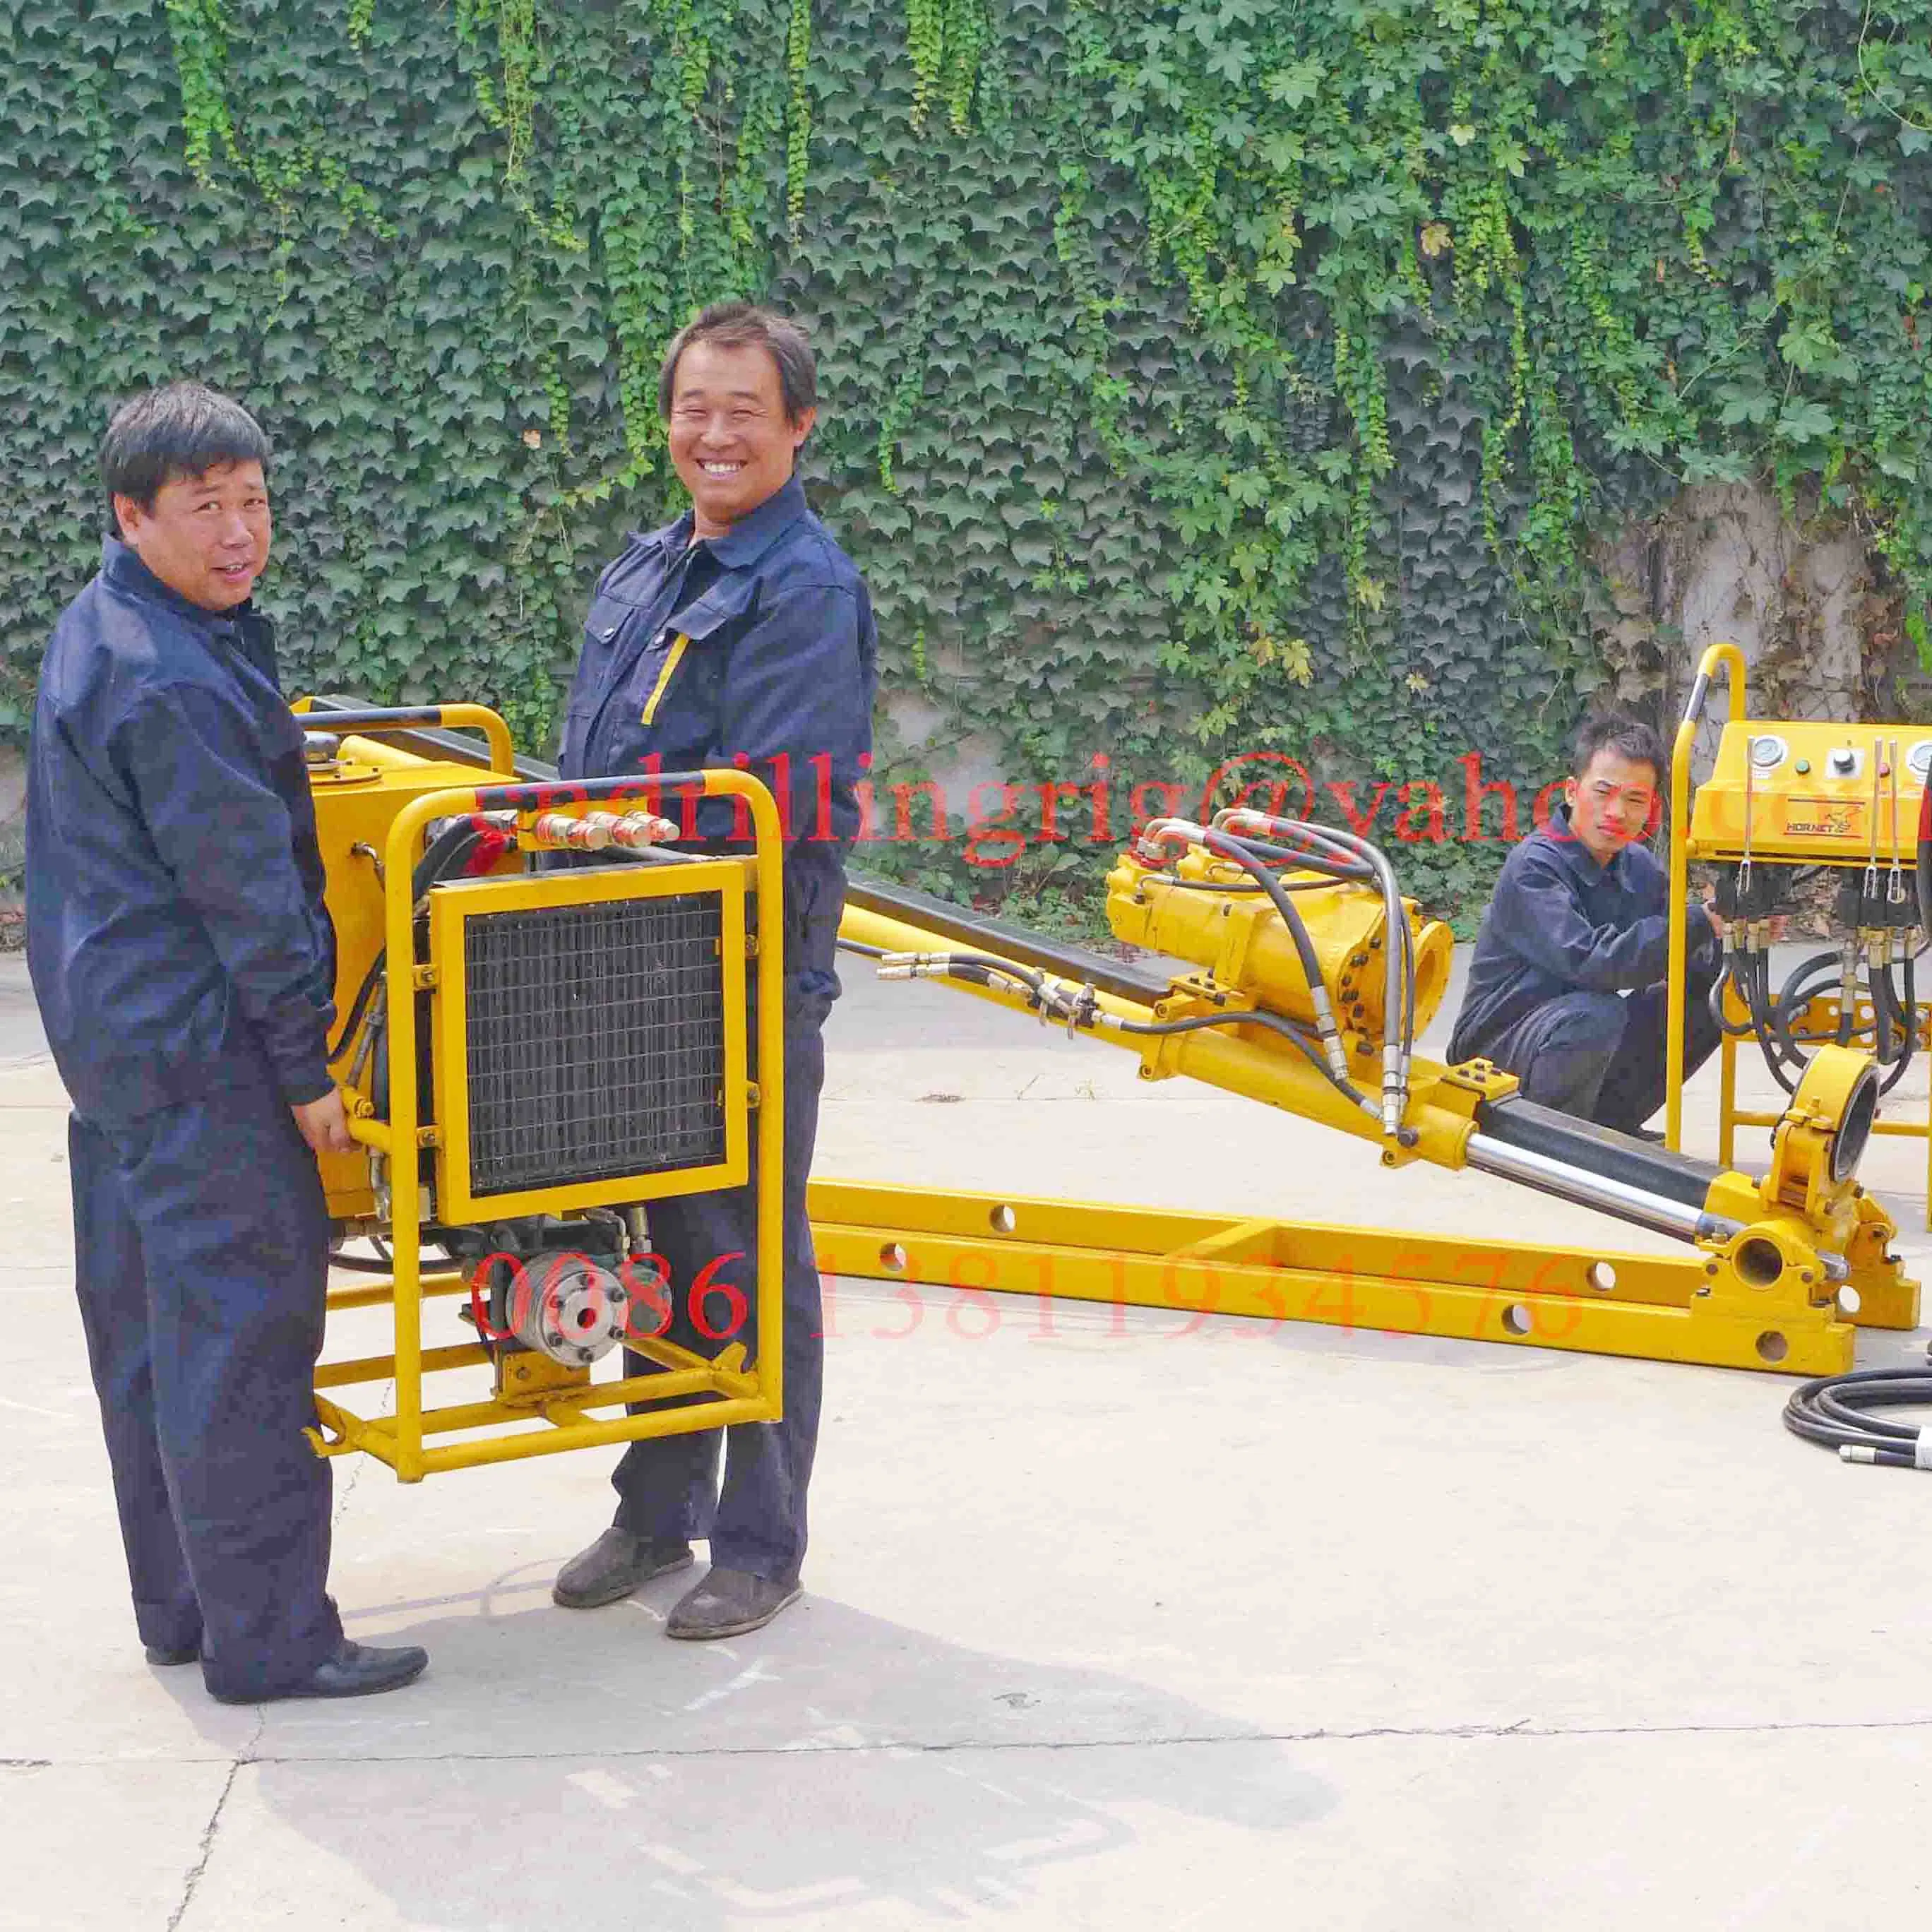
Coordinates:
<point>325,1125</point>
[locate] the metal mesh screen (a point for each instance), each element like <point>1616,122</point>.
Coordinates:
<point>596,1044</point>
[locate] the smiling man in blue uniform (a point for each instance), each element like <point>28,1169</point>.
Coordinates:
<point>183,963</point>
<point>741,634</point>
<point>1566,989</point>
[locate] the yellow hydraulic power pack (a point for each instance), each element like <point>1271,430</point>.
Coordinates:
<point>1785,800</point>
<point>533,1050</point>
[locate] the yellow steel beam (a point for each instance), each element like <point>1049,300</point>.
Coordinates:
<point>1665,1308</point>
<point>377,1435</point>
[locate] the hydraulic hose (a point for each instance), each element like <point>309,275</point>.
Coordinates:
<point>1080,1009</point>
<point>1273,1022</point>
<point>1737,976</point>
<point>1348,856</point>
<point>1910,1013</point>
<point>451,846</point>
<point>1398,995</point>
<point>1894,1017</point>
<point>1771,1014</point>
<point>1314,843</point>
<point>1836,1410</point>
<point>1257,868</point>
<point>382,1261</point>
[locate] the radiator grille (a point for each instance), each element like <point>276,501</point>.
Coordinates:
<point>596,1041</point>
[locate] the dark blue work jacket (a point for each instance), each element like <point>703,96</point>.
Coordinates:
<point>1562,923</point>
<point>176,930</point>
<point>757,648</point>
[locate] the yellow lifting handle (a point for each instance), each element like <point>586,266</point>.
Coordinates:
<point>1727,655</point>
<point>377,720</point>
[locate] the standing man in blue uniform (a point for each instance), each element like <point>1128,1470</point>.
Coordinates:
<point>740,633</point>
<point>183,963</point>
<point>1568,988</point>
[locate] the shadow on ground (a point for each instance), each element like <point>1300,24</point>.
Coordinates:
<point>833,1763</point>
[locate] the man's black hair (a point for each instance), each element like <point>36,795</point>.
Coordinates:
<point>1631,737</point>
<point>182,429</point>
<point>739,325</point>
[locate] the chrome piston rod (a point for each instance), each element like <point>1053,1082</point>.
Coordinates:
<point>1616,1197</point>
<point>1595,1190</point>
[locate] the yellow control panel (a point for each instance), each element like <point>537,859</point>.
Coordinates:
<point>1824,793</point>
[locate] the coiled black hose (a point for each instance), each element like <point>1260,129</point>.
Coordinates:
<point>1894,1016</point>
<point>1774,1013</point>
<point>1835,1410</point>
<point>1736,975</point>
<point>1771,1014</point>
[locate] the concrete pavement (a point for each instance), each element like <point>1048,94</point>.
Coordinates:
<point>1110,1623</point>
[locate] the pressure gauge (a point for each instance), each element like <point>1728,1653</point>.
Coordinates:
<point>1918,759</point>
<point>1767,750</point>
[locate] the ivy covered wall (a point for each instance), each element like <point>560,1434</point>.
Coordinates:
<point>1233,379</point>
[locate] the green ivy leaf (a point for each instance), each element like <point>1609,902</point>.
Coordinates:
<point>1800,422</point>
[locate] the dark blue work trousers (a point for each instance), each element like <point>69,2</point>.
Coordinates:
<point>667,1485</point>
<point>1601,1056</point>
<point>201,1248</point>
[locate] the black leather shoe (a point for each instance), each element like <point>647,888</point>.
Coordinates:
<point>165,1653</point>
<point>612,1567</point>
<point>728,1603</point>
<point>355,1670</point>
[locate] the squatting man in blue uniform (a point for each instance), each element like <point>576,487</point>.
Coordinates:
<point>183,964</point>
<point>739,634</point>
<point>1567,987</point>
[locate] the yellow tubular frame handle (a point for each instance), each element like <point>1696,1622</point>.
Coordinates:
<point>400,1135</point>
<point>1727,655</point>
<point>375,721</point>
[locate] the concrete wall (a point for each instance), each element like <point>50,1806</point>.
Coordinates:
<point>1818,631</point>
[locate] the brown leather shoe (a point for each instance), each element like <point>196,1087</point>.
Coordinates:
<point>728,1603</point>
<point>612,1567</point>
